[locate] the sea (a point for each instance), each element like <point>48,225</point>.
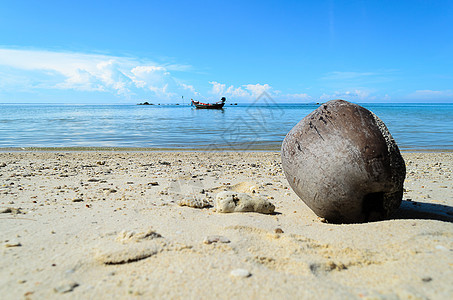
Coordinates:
<point>251,126</point>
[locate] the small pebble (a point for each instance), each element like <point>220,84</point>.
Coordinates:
<point>278,230</point>
<point>240,273</point>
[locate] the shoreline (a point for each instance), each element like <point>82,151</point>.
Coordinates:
<point>112,224</point>
<point>163,149</point>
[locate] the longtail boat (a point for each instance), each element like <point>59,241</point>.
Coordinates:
<point>216,105</point>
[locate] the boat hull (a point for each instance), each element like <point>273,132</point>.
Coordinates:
<point>217,105</point>
<point>210,106</point>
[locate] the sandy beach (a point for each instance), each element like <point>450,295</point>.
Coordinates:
<point>101,225</point>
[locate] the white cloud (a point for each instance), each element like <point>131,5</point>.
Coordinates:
<point>257,89</point>
<point>431,95</point>
<point>252,92</point>
<point>123,76</point>
<point>188,87</point>
<point>218,88</point>
<point>247,92</point>
<point>153,78</point>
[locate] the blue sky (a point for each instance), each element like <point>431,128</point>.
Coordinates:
<point>296,51</point>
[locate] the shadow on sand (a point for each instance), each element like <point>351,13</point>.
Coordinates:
<point>421,210</point>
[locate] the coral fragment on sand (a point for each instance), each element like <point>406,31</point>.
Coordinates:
<point>229,201</point>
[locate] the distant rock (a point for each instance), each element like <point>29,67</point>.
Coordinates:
<point>145,103</point>
<point>342,161</point>
<point>229,201</point>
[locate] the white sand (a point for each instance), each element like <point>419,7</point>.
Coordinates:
<point>95,225</point>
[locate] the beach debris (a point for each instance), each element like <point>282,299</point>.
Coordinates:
<point>12,243</point>
<point>242,273</point>
<point>253,189</point>
<point>66,286</point>
<point>11,210</point>
<point>215,239</point>
<point>229,201</point>
<point>278,230</point>
<point>108,191</point>
<point>194,202</point>
<point>342,161</point>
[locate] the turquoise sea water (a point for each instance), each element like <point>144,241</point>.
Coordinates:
<point>243,126</point>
